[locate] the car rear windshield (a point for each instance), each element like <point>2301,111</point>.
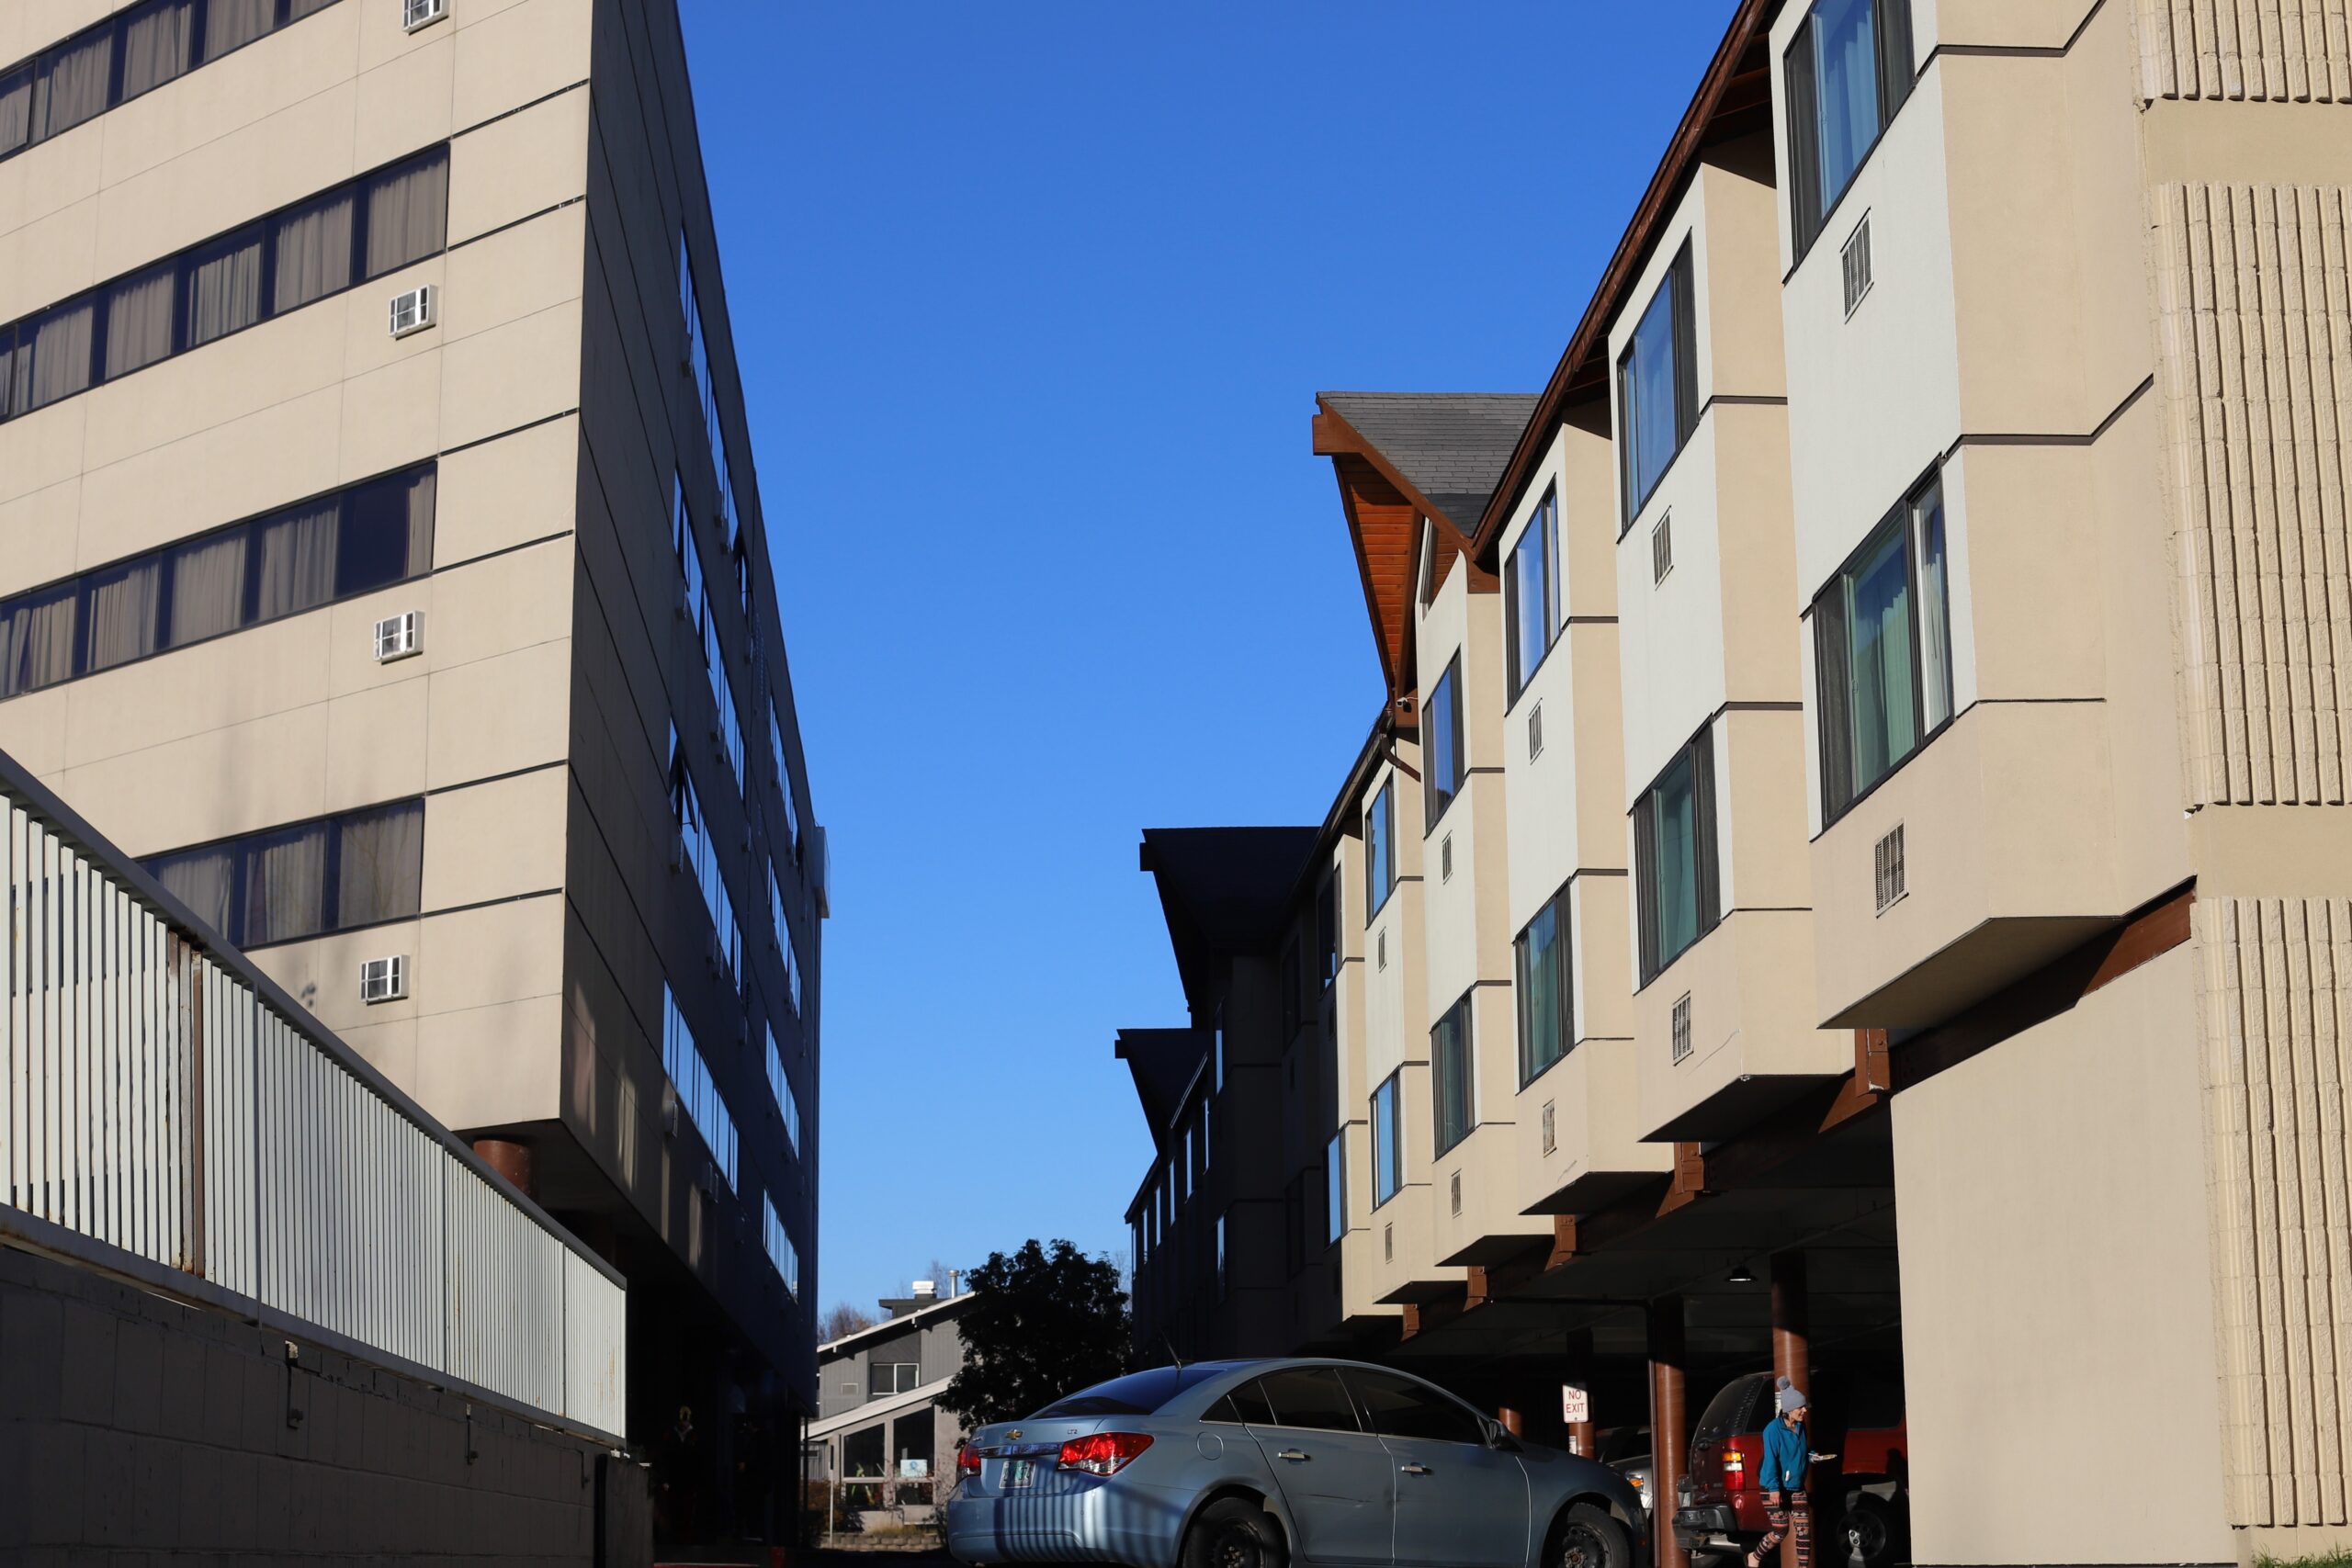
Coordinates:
<point>1730,1413</point>
<point>1137,1393</point>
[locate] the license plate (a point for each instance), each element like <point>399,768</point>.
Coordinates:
<point>1020,1473</point>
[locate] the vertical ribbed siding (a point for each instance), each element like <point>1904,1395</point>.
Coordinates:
<point>2257,340</point>
<point>505,1294</point>
<point>2272,51</point>
<point>2278,1029</point>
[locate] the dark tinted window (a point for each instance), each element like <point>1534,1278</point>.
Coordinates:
<point>1400,1407</point>
<point>1247,1403</point>
<point>1137,1393</point>
<point>1735,1410</point>
<point>1310,1397</point>
<point>1624,1443</point>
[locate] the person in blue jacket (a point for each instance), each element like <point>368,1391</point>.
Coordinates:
<point>1788,1455</point>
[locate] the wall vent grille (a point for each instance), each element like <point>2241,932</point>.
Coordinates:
<point>1456,1184</point>
<point>1551,1140</point>
<point>384,979</point>
<point>1855,261</point>
<point>1445,858</point>
<point>1662,548</point>
<point>1683,1026</point>
<point>400,637</point>
<point>412,312</point>
<point>1888,864</point>
<point>1535,732</point>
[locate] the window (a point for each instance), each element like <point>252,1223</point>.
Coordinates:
<point>1882,650</point>
<point>698,853</point>
<point>1657,388</point>
<point>788,1105</point>
<point>126,55</point>
<point>1450,1073</point>
<point>781,1252</point>
<point>1380,850</point>
<point>361,868</point>
<point>698,1094</point>
<point>1221,1280</point>
<point>1442,725</point>
<point>1335,1181</point>
<point>1387,1153</point>
<point>323,245</point>
<point>1403,1407</point>
<point>884,1379</point>
<point>1674,856</point>
<point>1326,931</point>
<point>1540,966</point>
<point>780,922</point>
<point>1847,72</point>
<point>783,785</point>
<point>1310,1398</point>
<point>1531,595</point>
<point>698,359</point>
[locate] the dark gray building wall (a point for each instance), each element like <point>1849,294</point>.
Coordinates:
<point>132,1424</point>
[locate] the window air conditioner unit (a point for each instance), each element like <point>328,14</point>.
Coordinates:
<point>413,312</point>
<point>384,979</point>
<point>670,1111</point>
<point>712,954</point>
<point>678,602</point>
<point>400,637</point>
<point>415,14</point>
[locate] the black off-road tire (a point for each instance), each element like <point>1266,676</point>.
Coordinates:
<point>1591,1538</point>
<point>1233,1532</point>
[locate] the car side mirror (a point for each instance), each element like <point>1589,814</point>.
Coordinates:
<point>1498,1435</point>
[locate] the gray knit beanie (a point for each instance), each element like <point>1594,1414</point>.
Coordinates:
<point>1792,1396</point>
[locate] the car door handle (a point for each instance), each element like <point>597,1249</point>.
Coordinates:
<point>1417,1470</point>
<point>1294,1456</point>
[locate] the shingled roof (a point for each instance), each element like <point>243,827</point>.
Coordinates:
<point>1451,447</point>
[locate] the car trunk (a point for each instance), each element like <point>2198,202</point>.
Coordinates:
<point>1727,1432</point>
<point>1019,1459</point>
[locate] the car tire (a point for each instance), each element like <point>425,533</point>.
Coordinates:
<point>1870,1535</point>
<point>1233,1532</point>
<point>1591,1538</point>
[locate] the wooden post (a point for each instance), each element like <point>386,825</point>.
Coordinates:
<point>1792,1356</point>
<point>1669,1426</point>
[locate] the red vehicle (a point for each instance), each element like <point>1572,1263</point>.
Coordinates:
<point>1862,1495</point>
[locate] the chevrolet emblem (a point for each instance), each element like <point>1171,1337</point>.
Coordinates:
<point>1014,1433</point>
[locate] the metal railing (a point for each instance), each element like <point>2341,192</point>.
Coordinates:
<point>163,1097</point>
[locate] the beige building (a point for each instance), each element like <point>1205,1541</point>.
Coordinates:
<point>382,561</point>
<point>1846,875</point>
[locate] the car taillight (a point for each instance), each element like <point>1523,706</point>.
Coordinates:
<point>968,1460</point>
<point>1103,1454</point>
<point>1735,1467</point>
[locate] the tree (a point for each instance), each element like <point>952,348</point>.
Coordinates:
<point>1041,1324</point>
<point>844,1319</point>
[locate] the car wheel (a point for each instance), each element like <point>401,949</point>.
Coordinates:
<point>1590,1539</point>
<point>1233,1532</point>
<point>1869,1527</point>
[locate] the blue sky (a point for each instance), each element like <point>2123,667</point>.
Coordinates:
<point>1032,301</point>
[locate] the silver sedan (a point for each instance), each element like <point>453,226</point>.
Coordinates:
<point>1258,1464</point>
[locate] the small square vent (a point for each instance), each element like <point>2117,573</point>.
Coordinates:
<point>1445,858</point>
<point>1551,1138</point>
<point>1535,732</point>
<point>1457,1186</point>
<point>1662,548</point>
<point>1855,263</point>
<point>1888,858</point>
<point>415,14</point>
<point>400,637</point>
<point>384,979</point>
<point>413,310</point>
<point>1683,1026</point>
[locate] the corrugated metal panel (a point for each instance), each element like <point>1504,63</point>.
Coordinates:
<point>2274,50</point>
<point>2257,358</point>
<point>2277,1026</point>
<point>152,1101</point>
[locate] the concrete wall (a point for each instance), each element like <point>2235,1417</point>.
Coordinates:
<point>130,1424</point>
